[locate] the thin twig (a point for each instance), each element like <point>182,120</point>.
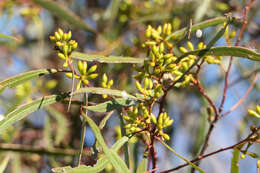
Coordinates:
<point>246,140</point>
<point>243,98</point>
<point>39,150</point>
<point>247,8</point>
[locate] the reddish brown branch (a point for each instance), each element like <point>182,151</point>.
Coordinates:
<point>246,140</point>
<point>247,8</point>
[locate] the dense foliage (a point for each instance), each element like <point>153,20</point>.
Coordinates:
<point>113,86</point>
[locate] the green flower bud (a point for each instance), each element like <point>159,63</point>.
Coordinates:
<point>183,50</point>
<point>200,45</point>
<point>110,83</point>
<point>159,29</point>
<point>80,67</point>
<point>253,113</point>
<point>65,49</point>
<point>92,76</point>
<point>68,75</point>
<point>65,64</point>
<point>165,136</point>
<point>150,43</point>
<point>57,36</point>
<point>78,85</point>
<point>138,86</point>
<point>127,118</point>
<point>169,29</point>
<point>146,83</point>
<point>52,38</point>
<point>58,43</point>
<point>169,122</point>
<point>60,32</point>
<point>74,46</point>
<point>61,55</point>
<point>258,109</point>
<point>104,78</point>
<point>85,81</point>
<point>161,48</point>
<point>84,68</point>
<point>150,84</point>
<point>190,45</point>
<point>92,69</point>
<point>103,84</point>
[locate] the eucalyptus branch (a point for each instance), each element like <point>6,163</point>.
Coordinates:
<point>247,8</point>
<point>249,138</point>
<point>38,150</point>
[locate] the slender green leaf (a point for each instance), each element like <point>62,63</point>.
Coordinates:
<point>104,120</point>
<point>113,157</point>
<point>22,111</point>
<point>111,105</point>
<point>3,36</point>
<point>105,59</point>
<point>187,161</point>
<point>23,77</point>
<point>234,162</point>
<point>65,14</point>
<point>4,162</point>
<point>99,166</point>
<point>142,167</point>
<point>177,35</point>
<point>97,90</point>
<point>227,51</point>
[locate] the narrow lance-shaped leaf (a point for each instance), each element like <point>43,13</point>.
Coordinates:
<point>227,51</point>
<point>101,91</point>
<point>24,77</point>
<point>22,111</point>
<point>113,157</point>
<point>177,35</point>
<point>99,166</point>
<point>111,105</point>
<point>65,14</point>
<point>105,59</point>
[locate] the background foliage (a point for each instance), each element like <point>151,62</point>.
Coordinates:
<point>117,28</point>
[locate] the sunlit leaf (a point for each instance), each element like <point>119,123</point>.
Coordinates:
<point>111,105</point>
<point>99,166</point>
<point>113,157</point>
<point>23,77</point>
<point>228,51</point>
<point>65,14</point>
<point>105,59</point>
<point>177,35</point>
<point>101,91</point>
<point>24,110</point>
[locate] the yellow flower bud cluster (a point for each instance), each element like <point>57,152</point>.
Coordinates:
<point>84,73</point>
<point>64,45</point>
<point>255,113</point>
<point>137,118</point>
<point>149,90</point>
<point>106,84</point>
<point>162,122</point>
